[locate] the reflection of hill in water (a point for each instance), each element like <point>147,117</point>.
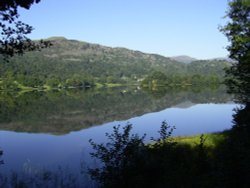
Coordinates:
<point>185,104</point>
<point>65,111</point>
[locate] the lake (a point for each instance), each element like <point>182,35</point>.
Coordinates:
<point>50,131</point>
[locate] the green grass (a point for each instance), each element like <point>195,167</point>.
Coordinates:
<point>211,139</point>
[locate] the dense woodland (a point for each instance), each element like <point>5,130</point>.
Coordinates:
<point>70,63</point>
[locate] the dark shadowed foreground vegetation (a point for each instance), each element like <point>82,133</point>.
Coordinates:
<point>215,160</point>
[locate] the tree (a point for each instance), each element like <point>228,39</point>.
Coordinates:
<point>235,150</point>
<point>119,157</point>
<point>156,78</point>
<point>13,31</point>
<point>237,31</point>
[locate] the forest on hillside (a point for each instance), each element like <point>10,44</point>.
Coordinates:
<point>70,63</point>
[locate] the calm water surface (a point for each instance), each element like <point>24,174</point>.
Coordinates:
<point>41,130</point>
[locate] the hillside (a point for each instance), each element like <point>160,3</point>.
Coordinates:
<point>183,59</point>
<point>76,63</point>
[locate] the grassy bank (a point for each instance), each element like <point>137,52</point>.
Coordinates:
<point>211,140</point>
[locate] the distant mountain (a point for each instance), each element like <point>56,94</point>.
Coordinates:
<point>183,59</point>
<point>185,104</point>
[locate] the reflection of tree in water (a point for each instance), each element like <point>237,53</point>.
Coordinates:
<point>196,95</point>
<point>59,178</point>
<point>34,175</point>
<point>61,112</point>
<point>1,160</point>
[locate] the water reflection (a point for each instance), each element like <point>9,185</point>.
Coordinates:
<point>60,112</point>
<point>1,160</point>
<point>61,158</point>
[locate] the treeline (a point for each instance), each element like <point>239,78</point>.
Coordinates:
<point>157,78</point>
<point>20,81</point>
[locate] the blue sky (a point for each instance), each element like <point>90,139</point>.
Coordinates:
<point>166,27</point>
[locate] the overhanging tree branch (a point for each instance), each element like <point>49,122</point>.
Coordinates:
<point>14,32</point>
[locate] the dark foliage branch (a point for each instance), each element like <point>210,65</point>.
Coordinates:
<point>237,29</point>
<point>165,133</point>
<point>126,158</point>
<point>123,150</point>
<point>14,32</point>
